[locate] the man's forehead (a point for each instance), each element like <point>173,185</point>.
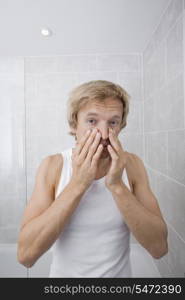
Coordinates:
<point>96,107</point>
<point>98,114</point>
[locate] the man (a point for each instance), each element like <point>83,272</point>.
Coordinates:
<point>83,202</point>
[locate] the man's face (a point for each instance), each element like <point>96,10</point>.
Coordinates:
<point>101,115</point>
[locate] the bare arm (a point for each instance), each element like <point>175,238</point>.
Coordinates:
<point>44,217</point>
<point>140,208</point>
<point>145,223</point>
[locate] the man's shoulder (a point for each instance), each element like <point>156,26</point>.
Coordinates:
<point>54,167</point>
<point>131,155</point>
<point>56,158</point>
<point>133,161</point>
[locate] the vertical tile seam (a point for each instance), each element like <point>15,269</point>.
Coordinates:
<point>25,144</point>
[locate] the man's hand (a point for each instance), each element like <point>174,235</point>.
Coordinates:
<point>85,159</point>
<point>121,159</point>
<point>118,163</point>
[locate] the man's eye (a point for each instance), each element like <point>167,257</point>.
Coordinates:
<point>91,121</point>
<point>113,122</point>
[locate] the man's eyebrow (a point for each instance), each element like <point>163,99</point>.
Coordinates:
<point>95,114</point>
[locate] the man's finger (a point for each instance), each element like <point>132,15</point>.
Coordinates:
<point>90,141</point>
<point>114,141</point>
<point>81,143</point>
<point>93,146</point>
<point>97,155</point>
<point>112,152</point>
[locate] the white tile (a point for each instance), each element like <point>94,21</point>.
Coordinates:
<point>142,262</point>
<point>149,50</point>
<point>154,72</point>
<point>176,256</point>
<point>167,21</point>
<point>53,88</point>
<point>171,197</point>
<point>88,76</point>
<point>163,268</point>
<point>40,65</point>
<point>76,63</point>
<point>172,13</point>
<point>132,143</point>
<point>11,65</point>
<point>132,82</point>
<point>134,118</point>
<point>10,267</point>
<point>119,63</point>
<point>156,151</point>
<point>169,112</point>
<point>176,157</point>
<point>174,51</point>
<point>42,266</point>
<point>150,113</point>
<point>12,150</point>
<point>60,64</point>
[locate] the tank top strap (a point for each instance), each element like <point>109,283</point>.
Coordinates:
<point>66,169</point>
<point>125,179</point>
<point>68,161</point>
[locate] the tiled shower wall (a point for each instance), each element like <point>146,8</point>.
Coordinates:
<point>164,129</point>
<point>33,95</point>
<point>12,147</point>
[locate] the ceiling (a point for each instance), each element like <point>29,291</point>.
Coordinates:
<point>78,26</point>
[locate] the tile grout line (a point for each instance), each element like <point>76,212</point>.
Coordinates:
<point>183,24</point>
<point>158,24</point>
<point>166,176</point>
<point>25,152</point>
<point>167,140</point>
<point>154,131</point>
<point>164,37</point>
<point>165,85</point>
<point>176,232</point>
<point>143,105</point>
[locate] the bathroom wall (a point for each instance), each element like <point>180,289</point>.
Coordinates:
<point>33,95</point>
<point>12,149</point>
<point>164,129</point>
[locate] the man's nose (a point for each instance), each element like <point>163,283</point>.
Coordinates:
<point>104,132</point>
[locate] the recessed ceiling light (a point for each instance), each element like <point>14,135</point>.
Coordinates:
<point>46,31</point>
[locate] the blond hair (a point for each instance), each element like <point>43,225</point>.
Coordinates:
<point>95,90</point>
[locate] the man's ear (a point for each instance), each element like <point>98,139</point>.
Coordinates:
<point>120,130</point>
<point>73,131</point>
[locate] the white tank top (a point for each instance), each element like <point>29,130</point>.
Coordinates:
<point>95,241</point>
